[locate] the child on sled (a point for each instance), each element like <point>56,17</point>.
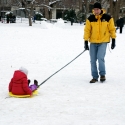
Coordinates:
<point>19,83</point>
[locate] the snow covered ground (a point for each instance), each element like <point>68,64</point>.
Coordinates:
<point>67,98</point>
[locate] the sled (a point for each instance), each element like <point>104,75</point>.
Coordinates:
<point>23,96</point>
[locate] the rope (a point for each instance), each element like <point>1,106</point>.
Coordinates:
<point>61,68</point>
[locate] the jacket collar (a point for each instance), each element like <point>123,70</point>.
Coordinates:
<point>99,16</point>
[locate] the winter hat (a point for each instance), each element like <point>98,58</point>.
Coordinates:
<point>97,5</point>
<point>24,70</point>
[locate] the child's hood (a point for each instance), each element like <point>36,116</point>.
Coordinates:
<point>24,70</point>
<point>19,75</point>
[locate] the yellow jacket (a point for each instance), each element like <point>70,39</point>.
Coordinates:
<point>99,29</point>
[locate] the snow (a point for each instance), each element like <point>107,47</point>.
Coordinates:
<point>8,13</point>
<point>67,98</point>
<point>53,2</point>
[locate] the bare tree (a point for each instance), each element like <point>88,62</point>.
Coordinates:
<point>86,8</point>
<point>30,13</point>
<point>115,8</point>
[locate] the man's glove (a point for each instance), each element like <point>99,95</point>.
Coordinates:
<point>86,45</point>
<point>113,44</point>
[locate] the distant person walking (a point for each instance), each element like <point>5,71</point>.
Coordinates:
<point>8,18</point>
<point>34,18</point>
<point>120,23</point>
<point>72,20</point>
<point>98,30</point>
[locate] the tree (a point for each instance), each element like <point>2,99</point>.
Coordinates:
<point>115,8</point>
<point>80,16</point>
<point>69,15</point>
<point>86,8</point>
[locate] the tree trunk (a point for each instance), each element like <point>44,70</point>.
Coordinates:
<point>80,5</point>
<point>115,9</point>
<point>30,21</point>
<point>86,8</point>
<point>30,14</point>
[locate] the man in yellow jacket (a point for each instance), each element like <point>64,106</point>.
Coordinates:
<point>98,30</point>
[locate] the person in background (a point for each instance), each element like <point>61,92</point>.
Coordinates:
<point>19,83</point>
<point>98,30</point>
<point>34,18</point>
<point>72,20</point>
<point>8,18</point>
<point>120,23</point>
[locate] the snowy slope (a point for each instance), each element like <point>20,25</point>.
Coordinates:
<point>67,98</point>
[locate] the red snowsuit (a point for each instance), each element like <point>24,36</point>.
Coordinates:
<point>19,84</point>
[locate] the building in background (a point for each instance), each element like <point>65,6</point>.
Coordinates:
<point>54,9</point>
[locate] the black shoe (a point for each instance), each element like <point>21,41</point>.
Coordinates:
<point>102,78</point>
<point>36,82</point>
<point>28,81</point>
<point>94,80</point>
